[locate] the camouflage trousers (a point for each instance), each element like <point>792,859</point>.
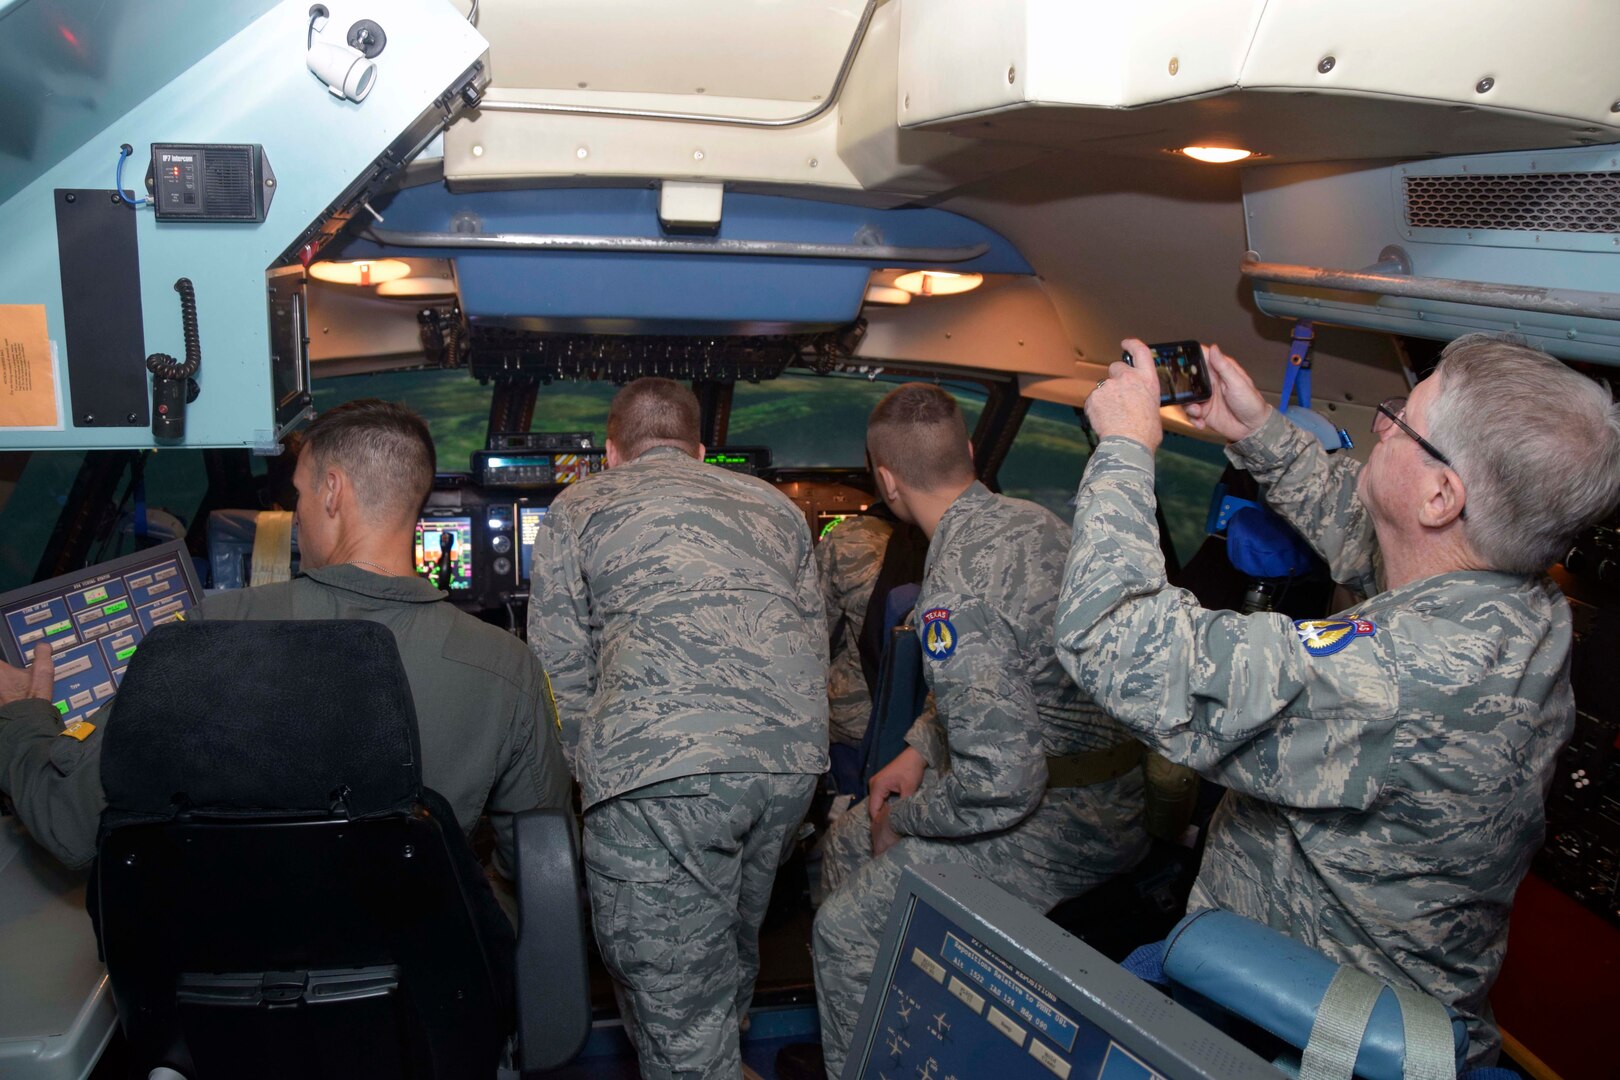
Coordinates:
<point>1076,839</point>
<point>679,875</point>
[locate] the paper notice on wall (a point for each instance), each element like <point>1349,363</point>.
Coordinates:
<point>29,394</point>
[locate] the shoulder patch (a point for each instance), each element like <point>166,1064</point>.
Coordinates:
<point>1324,637</point>
<point>939,636</point>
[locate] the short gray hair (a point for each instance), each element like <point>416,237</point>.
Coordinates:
<point>1537,445</point>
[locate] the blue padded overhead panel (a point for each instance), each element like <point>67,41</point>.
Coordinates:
<point>655,292</point>
<point>69,67</point>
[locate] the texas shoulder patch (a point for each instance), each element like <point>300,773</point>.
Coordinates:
<point>1324,637</point>
<point>939,636</point>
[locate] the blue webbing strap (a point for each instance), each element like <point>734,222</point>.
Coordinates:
<point>1298,372</point>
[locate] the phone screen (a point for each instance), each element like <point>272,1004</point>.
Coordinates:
<point>1183,377</point>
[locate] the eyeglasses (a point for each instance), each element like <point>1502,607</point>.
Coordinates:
<point>1390,412</point>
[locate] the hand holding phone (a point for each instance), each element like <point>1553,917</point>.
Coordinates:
<point>1183,375</point>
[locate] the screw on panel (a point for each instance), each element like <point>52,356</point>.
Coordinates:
<point>1484,85</point>
<point>1615,107</point>
<point>89,418</point>
<point>408,851</point>
<point>115,199</point>
<point>907,103</point>
<point>1012,74</point>
<point>1175,64</point>
<point>814,163</point>
<point>697,155</point>
<point>70,197</point>
<point>1325,64</point>
<point>129,418</point>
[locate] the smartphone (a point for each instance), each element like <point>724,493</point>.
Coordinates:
<point>1183,376</point>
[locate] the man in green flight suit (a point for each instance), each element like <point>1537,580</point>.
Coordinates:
<point>488,737</point>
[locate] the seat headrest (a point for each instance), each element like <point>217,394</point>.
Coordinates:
<point>245,718</point>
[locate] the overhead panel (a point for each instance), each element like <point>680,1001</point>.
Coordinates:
<point>780,51</point>
<point>1294,80</point>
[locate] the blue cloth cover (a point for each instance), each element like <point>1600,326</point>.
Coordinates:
<point>1273,981</point>
<point>902,690</point>
<point>846,761</point>
<point>1262,545</point>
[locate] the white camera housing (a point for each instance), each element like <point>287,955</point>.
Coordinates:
<point>344,69</point>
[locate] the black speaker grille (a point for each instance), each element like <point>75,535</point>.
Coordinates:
<point>228,182</point>
<point>1520,202</point>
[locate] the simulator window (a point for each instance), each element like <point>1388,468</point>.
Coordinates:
<point>444,552</point>
<point>528,526</point>
<point>827,521</point>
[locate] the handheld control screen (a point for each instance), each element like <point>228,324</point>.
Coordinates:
<point>444,552</point>
<point>93,619</point>
<point>529,518</point>
<point>1183,377</point>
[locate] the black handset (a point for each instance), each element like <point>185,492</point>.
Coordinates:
<point>1183,374</point>
<point>174,383</point>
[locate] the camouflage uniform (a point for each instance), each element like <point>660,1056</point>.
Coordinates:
<point>680,607</point>
<point>1387,769</point>
<point>850,558</point>
<point>1002,706</point>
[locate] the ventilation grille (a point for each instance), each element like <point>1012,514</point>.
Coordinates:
<point>1587,202</point>
<point>229,182</point>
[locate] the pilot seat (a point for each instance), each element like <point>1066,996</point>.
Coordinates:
<point>276,894</point>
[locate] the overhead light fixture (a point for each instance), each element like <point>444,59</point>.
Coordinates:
<point>1216,155</point>
<point>937,282</point>
<point>886,294</point>
<point>417,286</point>
<point>360,272</point>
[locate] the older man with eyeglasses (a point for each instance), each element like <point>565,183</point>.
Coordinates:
<point>1386,767</point>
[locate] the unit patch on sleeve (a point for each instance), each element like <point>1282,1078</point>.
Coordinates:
<point>939,636</point>
<point>1324,637</point>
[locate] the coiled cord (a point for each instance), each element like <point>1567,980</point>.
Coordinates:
<point>164,366</point>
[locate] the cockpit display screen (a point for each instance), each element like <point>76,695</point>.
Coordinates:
<point>93,620</point>
<point>529,518</point>
<point>444,552</point>
<point>827,521</point>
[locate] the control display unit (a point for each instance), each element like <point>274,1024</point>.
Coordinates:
<point>972,982</point>
<point>535,468</point>
<point>444,551</point>
<point>93,619</point>
<point>529,518</point>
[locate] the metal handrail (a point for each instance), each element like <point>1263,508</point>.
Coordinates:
<point>701,118</point>
<point>1571,302</point>
<point>667,246</point>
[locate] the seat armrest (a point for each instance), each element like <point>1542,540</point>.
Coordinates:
<point>553,984</point>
